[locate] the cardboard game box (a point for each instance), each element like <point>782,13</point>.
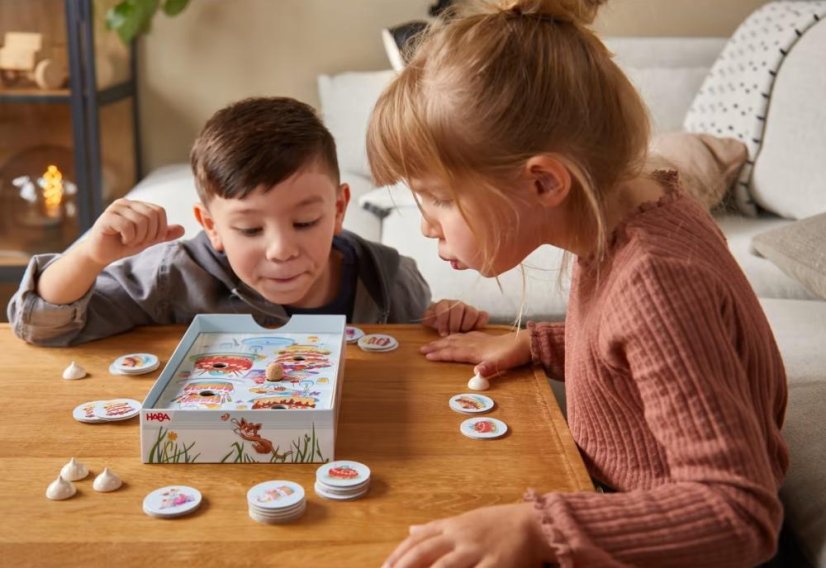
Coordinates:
<point>213,402</point>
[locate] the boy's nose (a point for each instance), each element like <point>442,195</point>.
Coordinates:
<point>429,229</point>
<point>281,249</point>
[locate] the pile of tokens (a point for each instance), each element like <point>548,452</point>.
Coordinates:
<point>342,480</point>
<point>378,342</point>
<point>278,501</point>
<point>134,364</point>
<point>97,411</point>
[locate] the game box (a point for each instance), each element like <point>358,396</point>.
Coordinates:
<point>236,392</point>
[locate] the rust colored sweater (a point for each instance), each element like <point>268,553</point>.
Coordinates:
<point>676,394</point>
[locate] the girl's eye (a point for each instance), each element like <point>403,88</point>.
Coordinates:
<point>251,232</point>
<point>305,225</point>
<point>441,202</point>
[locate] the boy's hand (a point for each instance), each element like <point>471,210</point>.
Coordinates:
<point>504,535</point>
<point>126,228</point>
<point>453,316</point>
<point>493,353</point>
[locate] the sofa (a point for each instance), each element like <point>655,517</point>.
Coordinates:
<point>668,72</point>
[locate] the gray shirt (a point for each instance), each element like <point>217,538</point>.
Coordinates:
<point>172,282</point>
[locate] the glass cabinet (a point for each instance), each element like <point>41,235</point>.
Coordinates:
<point>69,140</point>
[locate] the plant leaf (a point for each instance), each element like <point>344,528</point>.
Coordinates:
<point>131,17</point>
<point>174,7</point>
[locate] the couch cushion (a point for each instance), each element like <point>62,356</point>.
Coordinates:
<point>767,280</point>
<point>789,176</point>
<point>800,330</point>
<point>799,250</point>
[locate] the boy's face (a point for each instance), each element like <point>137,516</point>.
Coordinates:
<point>278,242</point>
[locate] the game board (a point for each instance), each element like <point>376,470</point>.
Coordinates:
<point>212,402</point>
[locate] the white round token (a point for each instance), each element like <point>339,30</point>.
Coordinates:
<point>172,501</point>
<point>470,403</point>
<point>277,494</point>
<point>378,342</point>
<point>322,491</point>
<point>343,473</point>
<point>483,428</point>
<point>86,412</point>
<point>353,334</point>
<point>134,364</point>
<point>117,409</point>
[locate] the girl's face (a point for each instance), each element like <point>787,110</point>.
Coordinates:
<point>501,234</point>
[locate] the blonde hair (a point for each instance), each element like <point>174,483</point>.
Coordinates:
<point>496,83</point>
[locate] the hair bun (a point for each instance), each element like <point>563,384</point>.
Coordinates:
<point>575,11</point>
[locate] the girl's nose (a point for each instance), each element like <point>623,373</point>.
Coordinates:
<point>430,229</point>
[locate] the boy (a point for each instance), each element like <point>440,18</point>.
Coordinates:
<point>272,208</point>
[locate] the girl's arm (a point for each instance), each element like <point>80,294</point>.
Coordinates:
<point>547,342</point>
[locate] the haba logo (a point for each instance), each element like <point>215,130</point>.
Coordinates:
<point>157,416</point>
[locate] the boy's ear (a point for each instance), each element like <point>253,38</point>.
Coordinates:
<point>342,200</point>
<point>208,223</point>
<point>550,179</point>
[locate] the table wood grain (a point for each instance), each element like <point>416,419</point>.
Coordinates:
<point>394,418</point>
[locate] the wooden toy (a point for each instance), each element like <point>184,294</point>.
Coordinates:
<point>19,60</point>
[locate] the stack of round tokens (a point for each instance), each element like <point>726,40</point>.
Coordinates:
<point>378,342</point>
<point>134,364</point>
<point>172,501</point>
<point>353,334</point>
<point>342,480</point>
<point>106,410</point>
<point>277,501</point>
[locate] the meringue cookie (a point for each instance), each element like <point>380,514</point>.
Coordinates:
<point>107,481</point>
<point>74,372</point>
<point>74,471</point>
<point>60,489</point>
<point>478,383</point>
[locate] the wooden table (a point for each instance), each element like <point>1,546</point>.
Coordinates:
<point>394,418</point>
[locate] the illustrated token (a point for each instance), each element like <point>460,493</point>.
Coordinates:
<point>470,403</point>
<point>378,342</point>
<point>343,473</point>
<point>277,494</point>
<point>86,412</point>
<point>117,409</point>
<point>483,428</point>
<point>353,334</point>
<point>172,501</point>
<point>134,364</point>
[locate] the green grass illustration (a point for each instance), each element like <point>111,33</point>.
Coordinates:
<point>167,449</point>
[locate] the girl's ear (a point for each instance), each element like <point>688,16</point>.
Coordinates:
<point>342,200</point>
<point>550,179</point>
<point>208,223</point>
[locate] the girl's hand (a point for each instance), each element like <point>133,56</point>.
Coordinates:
<point>493,353</point>
<point>126,228</point>
<point>501,536</point>
<point>453,316</point>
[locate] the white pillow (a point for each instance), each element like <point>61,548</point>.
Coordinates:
<point>347,99</point>
<point>789,176</point>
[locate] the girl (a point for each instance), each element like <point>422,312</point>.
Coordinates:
<point>514,128</point>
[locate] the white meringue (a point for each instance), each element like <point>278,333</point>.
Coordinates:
<point>60,489</point>
<point>74,372</point>
<point>478,383</point>
<point>107,481</point>
<point>74,471</point>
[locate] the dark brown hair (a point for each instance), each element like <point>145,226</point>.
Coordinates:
<point>259,142</point>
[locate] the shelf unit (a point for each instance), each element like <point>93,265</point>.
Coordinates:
<point>86,102</point>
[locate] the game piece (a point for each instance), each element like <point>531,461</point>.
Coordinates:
<point>134,364</point>
<point>117,409</point>
<point>60,489</point>
<point>74,471</point>
<point>86,412</point>
<point>74,372</point>
<point>342,480</point>
<point>470,403</point>
<point>353,334</point>
<point>274,372</point>
<point>378,342</point>
<point>277,501</point>
<point>478,383</point>
<point>483,428</point>
<point>106,481</point>
<point>172,501</point>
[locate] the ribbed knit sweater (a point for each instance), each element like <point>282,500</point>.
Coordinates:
<point>676,393</point>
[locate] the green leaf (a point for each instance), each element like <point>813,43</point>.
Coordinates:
<point>174,7</point>
<point>129,18</point>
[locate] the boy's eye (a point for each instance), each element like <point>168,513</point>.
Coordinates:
<point>249,232</point>
<point>305,224</point>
